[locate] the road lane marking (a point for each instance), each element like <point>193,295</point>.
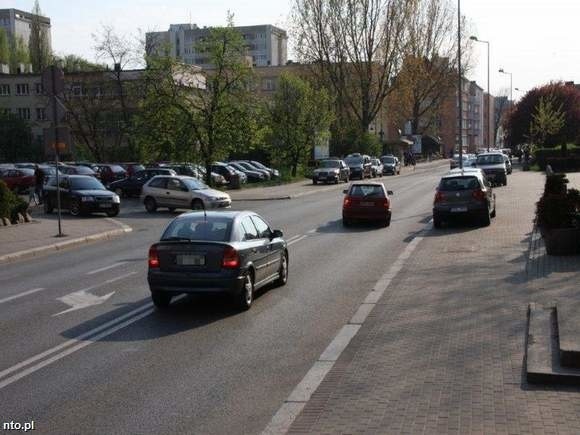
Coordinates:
<point>297,400</point>
<point>102,269</point>
<point>21,295</point>
<point>293,238</point>
<point>296,240</point>
<point>81,299</point>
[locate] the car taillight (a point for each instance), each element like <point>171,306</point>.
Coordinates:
<point>153,257</point>
<point>385,202</point>
<point>231,258</point>
<point>478,195</point>
<point>347,202</point>
<point>439,197</point>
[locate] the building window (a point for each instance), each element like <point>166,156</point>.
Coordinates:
<point>24,113</point>
<point>40,114</point>
<point>268,85</point>
<point>22,89</point>
<point>39,89</point>
<point>4,89</point>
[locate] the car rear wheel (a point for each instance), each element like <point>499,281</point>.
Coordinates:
<point>160,299</point>
<point>387,222</point>
<point>485,219</point>
<point>283,272</point>
<point>245,298</point>
<point>150,205</point>
<point>437,223</point>
<point>346,222</point>
<point>75,207</point>
<point>197,204</point>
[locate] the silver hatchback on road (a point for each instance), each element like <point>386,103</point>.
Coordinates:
<point>180,191</point>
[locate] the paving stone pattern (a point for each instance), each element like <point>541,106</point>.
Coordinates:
<point>443,351</point>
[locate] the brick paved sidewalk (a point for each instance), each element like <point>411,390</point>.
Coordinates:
<point>443,350</point>
<point>41,232</point>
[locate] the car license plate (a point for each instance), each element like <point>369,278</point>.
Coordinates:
<point>367,204</point>
<point>458,209</point>
<point>490,176</point>
<point>105,205</point>
<point>190,260</point>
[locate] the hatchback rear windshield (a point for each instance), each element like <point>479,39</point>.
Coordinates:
<point>492,159</point>
<point>459,183</point>
<point>212,229</point>
<point>387,160</point>
<point>83,170</point>
<point>366,191</point>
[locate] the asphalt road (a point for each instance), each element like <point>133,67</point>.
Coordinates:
<point>117,365</point>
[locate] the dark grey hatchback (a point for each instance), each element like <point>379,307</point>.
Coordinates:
<point>217,252</point>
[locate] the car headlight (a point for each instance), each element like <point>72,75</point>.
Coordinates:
<point>335,171</point>
<point>116,199</point>
<point>87,198</point>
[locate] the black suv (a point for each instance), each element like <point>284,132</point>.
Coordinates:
<point>80,194</point>
<point>360,166</point>
<point>131,186</point>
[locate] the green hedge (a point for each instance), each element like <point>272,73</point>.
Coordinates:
<point>11,204</point>
<point>544,156</point>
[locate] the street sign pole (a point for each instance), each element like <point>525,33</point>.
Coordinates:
<point>56,145</point>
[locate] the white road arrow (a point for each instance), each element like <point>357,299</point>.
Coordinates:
<point>82,299</point>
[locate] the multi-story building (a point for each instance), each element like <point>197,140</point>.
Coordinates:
<point>17,24</point>
<point>266,44</point>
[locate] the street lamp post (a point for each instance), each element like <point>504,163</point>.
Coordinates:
<point>476,39</point>
<point>459,84</point>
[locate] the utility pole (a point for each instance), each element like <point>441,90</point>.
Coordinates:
<point>459,84</point>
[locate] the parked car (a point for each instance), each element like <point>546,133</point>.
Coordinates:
<point>132,168</point>
<point>273,172</point>
<point>494,167</point>
<point>376,168</point>
<point>233,253</point>
<point>467,160</point>
<point>216,179</point>
<point>366,202</point>
<point>250,167</point>
<point>391,165</point>
<point>360,166</point>
<point>131,186</point>
<point>253,176</point>
<point>18,179</point>
<point>77,170</point>
<point>80,194</point>
<point>180,191</point>
<point>332,171</point>
<point>228,172</point>
<point>109,173</point>
<point>464,193</point>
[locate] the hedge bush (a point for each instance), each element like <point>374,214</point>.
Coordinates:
<point>11,204</point>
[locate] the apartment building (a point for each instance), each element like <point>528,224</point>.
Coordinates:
<point>17,24</point>
<point>266,44</point>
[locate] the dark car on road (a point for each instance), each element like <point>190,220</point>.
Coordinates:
<point>77,170</point>
<point>331,171</point>
<point>360,166</point>
<point>464,193</point>
<point>131,186</point>
<point>234,253</point>
<point>18,179</point>
<point>109,173</point>
<point>80,194</point>
<point>367,202</point>
<point>494,167</point>
<point>391,165</point>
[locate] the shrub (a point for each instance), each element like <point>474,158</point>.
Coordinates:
<point>558,207</point>
<point>11,204</point>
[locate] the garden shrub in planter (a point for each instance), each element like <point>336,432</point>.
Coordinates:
<point>11,205</point>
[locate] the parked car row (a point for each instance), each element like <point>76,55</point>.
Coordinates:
<point>354,166</point>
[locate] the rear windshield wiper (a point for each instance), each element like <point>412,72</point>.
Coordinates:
<point>176,238</point>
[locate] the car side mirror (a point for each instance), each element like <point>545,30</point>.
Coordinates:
<point>345,191</point>
<point>389,192</point>
<point>277,234</point>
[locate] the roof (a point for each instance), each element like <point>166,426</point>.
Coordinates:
<point>209,214</point>
<point>476,172</point>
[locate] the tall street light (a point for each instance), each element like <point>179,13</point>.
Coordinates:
<point>459,84</point>
<point>476,39</point>
<point>501,70</point>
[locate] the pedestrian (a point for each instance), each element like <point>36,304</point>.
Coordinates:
<point>413,162</point>
<point>38,182</point>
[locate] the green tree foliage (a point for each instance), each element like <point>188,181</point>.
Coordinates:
<point>4,47</point>
<point>38,46</point>
<point>18,53</point>
<point>16,141</point>
<point>300,119</point>
<point>72,63</point>
<point>547,120</point>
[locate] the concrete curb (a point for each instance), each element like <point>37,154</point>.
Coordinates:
<point>33,252</point>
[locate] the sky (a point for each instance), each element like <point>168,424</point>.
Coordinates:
<point>535,40</point>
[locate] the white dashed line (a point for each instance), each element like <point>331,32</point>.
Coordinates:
<point>20,295</point>
<point>102,269</point>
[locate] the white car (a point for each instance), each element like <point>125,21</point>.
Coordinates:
<point>180,191</point>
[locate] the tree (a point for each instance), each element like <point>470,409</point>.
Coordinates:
<point>18,53</point>
<point>300,118</point>
<point>4,47</point>
<point>71,63</point>
<point>38,46</point>
<point>547,120</point>
<point>354,46</point>
<point>562,96</point>
<point>16,142</point>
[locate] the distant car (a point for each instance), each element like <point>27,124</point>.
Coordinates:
<point>228,172</point>
<point>360,166</point>
<point>494,167</point>
<point>253,176</point>
<point>391,165</point>
<point>331,171</point>
<point>18,179</point>
<point>250,167</point>
<point>464,193</point>
<point>467,160</point>
<point>77,170</point>
<point>80,194</point>
<point>366,202</point>
<point>216,179</point>
<point>274,172</point>
<point>109,173</point>
<point>132,168</point>
<point>180,191</point>
<point>233,253</point>
<point>376,168</point>
<point>131,186</point>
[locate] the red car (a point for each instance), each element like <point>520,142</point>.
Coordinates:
<point>109,173</point>
<point>367,202</point>
<point>19,179</point>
